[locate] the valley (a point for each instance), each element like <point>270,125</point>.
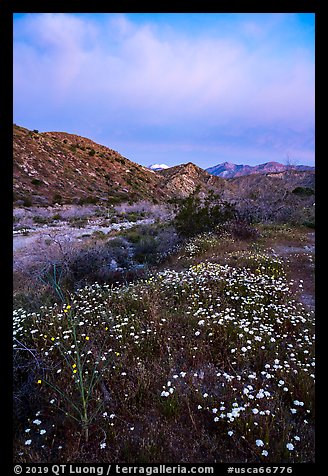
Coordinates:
<point>160,316</point>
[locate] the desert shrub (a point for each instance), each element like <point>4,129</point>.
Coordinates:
<point>88,200</point>
<point>132,235</point>
<point>57,198</point>
<point>121,161</point>
<point>309,224</point>
<point>27,202</point>
<point>97,263</point>
<point>168,240</point>
<point>92,152</point>
<point>41,220</point>
<point>303,191</point>
<point>196,216</point>
<point>151,243</point>
<point>99,234</point>
<point>78,222</point>
<point>134,216</point>
<point>146,249</point>
<point>36,181</point>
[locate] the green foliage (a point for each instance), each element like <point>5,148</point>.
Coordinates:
<point>303,191</point>
<point>115,199</point>
<point>41,220</point>
<point>92,152</point>
<point>309,224</point>
<point>36,181</point>
<point>146,250</point>
<point>89,200</point>
<point>196,216</point>
<point>57,198</point>
<point>121,161</point>
<point>27,202</point>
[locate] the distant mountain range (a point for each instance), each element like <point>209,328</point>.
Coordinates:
<point>228,170</point>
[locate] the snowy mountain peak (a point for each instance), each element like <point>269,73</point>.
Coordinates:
<point>158,167</point>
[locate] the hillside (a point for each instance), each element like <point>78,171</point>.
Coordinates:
<point>183,179</point>
<point>287,196</point>
<point>273,183</point>
<point>57,167</point>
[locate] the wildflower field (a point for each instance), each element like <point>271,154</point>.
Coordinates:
<point>208,359</point>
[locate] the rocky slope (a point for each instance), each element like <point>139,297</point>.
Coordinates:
<point>54,167</point>
<point>186,177</point>
<point>57,167</point>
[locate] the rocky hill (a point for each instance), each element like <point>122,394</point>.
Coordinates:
<point>287,196</point>
<point>275,182</point>
<point>57,167</point>
<point>185,178</point>
<point>228,170</point>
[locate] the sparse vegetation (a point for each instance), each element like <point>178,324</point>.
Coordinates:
<point>303,191</point>
<point>36,181</point>
<point>57,198</point>
<point>27,202</point>
<point>149,330</point>
<point>215,356</point>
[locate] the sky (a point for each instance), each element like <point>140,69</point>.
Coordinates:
<point>171,88</point>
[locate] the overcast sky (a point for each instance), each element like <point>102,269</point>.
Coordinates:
<point>171,88</point>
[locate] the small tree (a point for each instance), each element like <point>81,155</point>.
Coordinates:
<point>196,215</point>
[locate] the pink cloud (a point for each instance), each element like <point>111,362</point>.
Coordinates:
<point>118,68</point>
